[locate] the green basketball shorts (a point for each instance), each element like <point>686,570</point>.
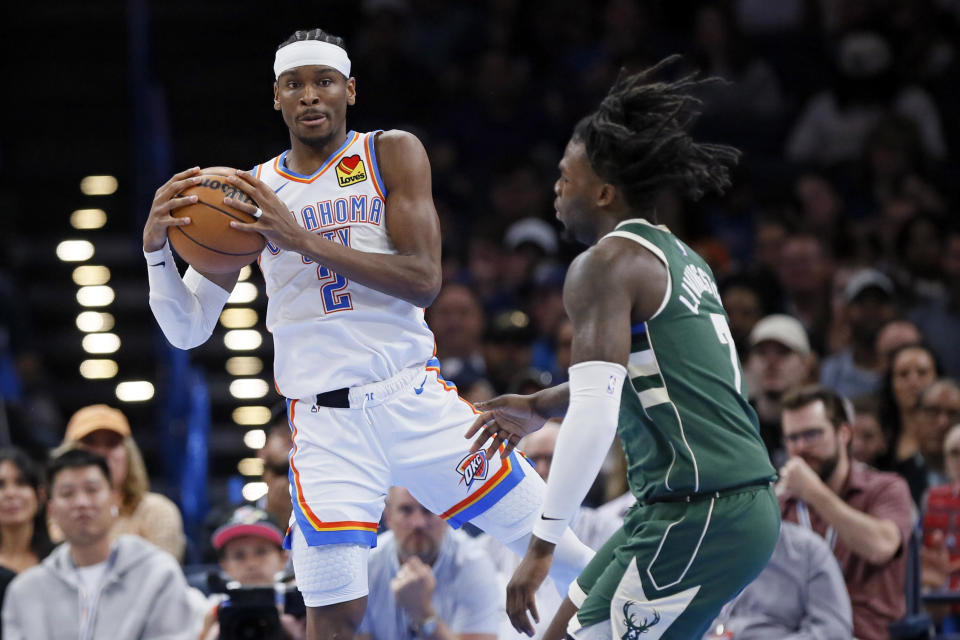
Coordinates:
<point>672,566</point>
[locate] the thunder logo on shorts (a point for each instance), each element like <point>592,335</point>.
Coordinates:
<point>473,467</point>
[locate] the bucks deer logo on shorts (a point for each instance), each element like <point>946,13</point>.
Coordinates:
<point>473,467</point>
<point>350,171</point>
<point>634,629</point>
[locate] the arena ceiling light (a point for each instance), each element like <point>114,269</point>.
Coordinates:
<point>244,366</point>
<point>250,467</point>
<point>253,491</point>
<point>75,250</point>
<point>88,274</point>
<point>98,185</point>
<point>238,318</point>
<point>98,369</point>
<point>255,438</point>
<point>94,321</point>
<point>243,293</point>
<point>134,391</point>
<point>251,415</point>
<point>101,343</point>
<point>245,388</point>
<point>98,296</point>
<point>242,339</point>
<point>88,218</point>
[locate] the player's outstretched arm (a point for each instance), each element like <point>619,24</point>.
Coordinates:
<point>508,418</point>
<point>186,309</point>
<point>413,273</point>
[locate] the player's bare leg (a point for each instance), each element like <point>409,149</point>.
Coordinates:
<point>336,621</point>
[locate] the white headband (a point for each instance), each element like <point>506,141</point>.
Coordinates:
<point>311,52</point>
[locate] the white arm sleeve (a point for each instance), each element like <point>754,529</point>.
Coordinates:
<point>186,309</point>
<point>585,438</point>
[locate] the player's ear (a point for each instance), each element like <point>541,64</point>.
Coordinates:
<point>276,97</point>
<point>351,91</point>
<point>606,195</point>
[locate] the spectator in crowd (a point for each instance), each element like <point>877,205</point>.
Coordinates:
<point>276,466</point>
<point>864,515</point>
<point>891,337</point>
<point>507,347</point>
<point>870,304</point>
<point>940,554</point>
<point>744,304</point>
<point>96,585</point>
<point>834,123</point>
<point>24,540</point>
<point>154,517</point>
<point>457,320</point>
<point>250,550</point>
<point>779,359</point>
<point>427,580</point>
<point>592,526</point>
<point>912,368</point>
<point>869,442</point>
<point>919,251</point>
<point>804,269</point>
<point>939,408</point>
<point>940,319</point>
<point>799,594</point>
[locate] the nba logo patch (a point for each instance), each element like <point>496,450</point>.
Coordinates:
<point>350,171</point>
<point>473,467</point>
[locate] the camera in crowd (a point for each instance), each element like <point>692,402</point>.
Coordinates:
<point>251,613</point>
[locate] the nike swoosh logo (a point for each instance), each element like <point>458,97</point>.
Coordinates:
<point>159,264</point>
<point>419,390</point>
<point>280,187</point>
<point>546,518</point>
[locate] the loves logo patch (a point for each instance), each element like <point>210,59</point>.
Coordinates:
<point>473,467</point>
<point>350,171</point>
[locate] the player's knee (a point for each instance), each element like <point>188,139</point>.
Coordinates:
<point>330,574</point>
<point>514,514</point>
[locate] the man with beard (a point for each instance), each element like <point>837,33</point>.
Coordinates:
<point>864,515</point>
<point>427,580</point>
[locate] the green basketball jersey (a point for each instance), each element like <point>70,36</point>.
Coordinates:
<point>685,423</point>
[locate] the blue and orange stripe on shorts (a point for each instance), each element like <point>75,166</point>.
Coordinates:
<point>315,530</point>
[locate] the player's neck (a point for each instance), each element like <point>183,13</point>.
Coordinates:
<point>306,158</point>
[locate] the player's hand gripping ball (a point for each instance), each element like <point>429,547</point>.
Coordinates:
<point>208,243</point>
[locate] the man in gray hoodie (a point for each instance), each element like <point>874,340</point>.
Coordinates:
<point>92,587</point>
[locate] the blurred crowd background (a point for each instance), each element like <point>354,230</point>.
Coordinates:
<point>842,219</point>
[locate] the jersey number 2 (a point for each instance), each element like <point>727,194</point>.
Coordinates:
<point>723,334</point>
<point>332,290</point>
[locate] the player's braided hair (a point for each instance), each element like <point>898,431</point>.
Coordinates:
<point>639,139</point>
<point>314,34</point>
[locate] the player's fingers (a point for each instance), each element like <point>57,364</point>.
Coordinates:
<point>532,607</point>
<point>174,188</point>
<point>246,207</point>
<point>512,441</point>
<point>178,177</point>
<point>249,189</point>
<point>164,210</point>
<point>478,423</point>
<point>170,221</point>
<point>495,443</point>
<point>244,226</point>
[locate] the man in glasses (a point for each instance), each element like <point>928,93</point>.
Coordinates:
<point>863,514</point>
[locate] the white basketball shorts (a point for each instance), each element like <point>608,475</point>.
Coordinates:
<point>406,431</point>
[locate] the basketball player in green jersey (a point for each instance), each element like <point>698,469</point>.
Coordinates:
<point>654,362</point>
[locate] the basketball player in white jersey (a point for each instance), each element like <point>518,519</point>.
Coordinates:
<point>352,257</point>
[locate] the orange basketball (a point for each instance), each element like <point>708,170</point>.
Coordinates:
<point>208,243</point>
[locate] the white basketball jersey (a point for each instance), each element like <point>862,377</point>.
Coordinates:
<point>329,332</point>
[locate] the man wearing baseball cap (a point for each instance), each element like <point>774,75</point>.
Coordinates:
<point>249,546</point>
<point>152,516</point>
<point>855,371</point>
<point>779,358</point>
